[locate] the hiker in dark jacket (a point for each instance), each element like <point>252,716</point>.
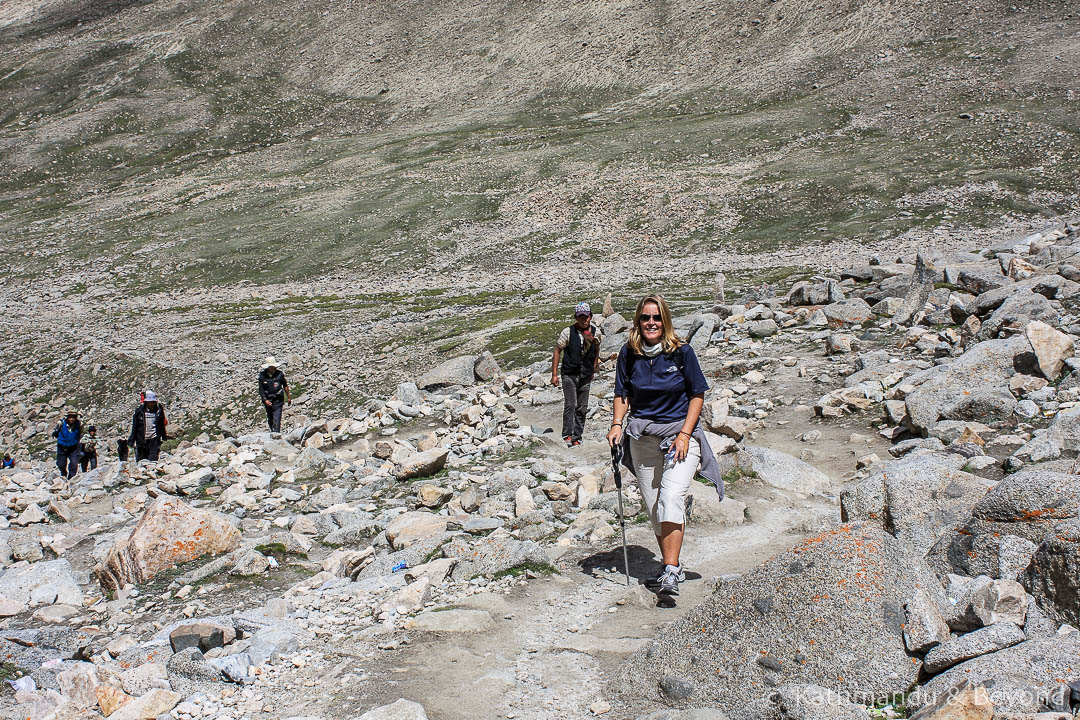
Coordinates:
<point>577,354</point>
<point>148,428</point>
<point>68,433</point>
<point>88,450</point>
<point>274,392</point>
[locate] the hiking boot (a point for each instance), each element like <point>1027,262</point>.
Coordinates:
<point>569,441</point>
<point>657,580</point>
<point>669,581</point>
<point>576,443</point>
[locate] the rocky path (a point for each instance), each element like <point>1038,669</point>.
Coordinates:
<point>554,643</point>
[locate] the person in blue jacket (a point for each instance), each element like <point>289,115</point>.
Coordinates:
<point>659,393</point>
<point>68,433</point>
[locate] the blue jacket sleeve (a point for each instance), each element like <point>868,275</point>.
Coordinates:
<point>622,387</point>
<point>695,378</point>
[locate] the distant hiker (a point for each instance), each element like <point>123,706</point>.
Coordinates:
<point>88,449</point>
<point>142,399</point>
<point>274,391</point>
<point>659,393</point>
<point>148,428</point>
<point>68,433</point>
<point>8,462</point>
<point>579,347</point>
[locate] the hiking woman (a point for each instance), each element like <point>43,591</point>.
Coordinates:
<point>659,393</point>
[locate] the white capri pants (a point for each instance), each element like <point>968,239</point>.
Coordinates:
<point>663,491</point>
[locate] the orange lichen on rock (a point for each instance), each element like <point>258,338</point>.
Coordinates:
<point>168,534</point>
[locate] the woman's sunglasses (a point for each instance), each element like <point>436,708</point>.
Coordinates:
<point>645,317</point>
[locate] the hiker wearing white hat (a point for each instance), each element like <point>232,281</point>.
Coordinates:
<point>148,428</point>
<point>274,392</point>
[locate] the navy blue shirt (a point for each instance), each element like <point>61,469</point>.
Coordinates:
<point>657,391</point>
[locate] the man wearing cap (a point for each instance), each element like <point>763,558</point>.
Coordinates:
<point>68,433</point>
<point>148,428</point>
<point>579,347</point>
<point>274,392</point>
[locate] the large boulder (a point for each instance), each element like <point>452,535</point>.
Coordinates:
<point>492,555</point>
<point>922,284</point>
<point>1026,504</point>
<point>1051,347</point>
<point>455,371</point>
<point>424,464</point>
<point>486,367</point>
<point>977,278</point>
<point>52,580</point>
<point>784,472</point>
<point>1053,577</point>
<point>973,644</point>
<point>828,611</point>
<point>1023,678</point>
<point>915,498</point>
<point>1016,312</point>
<point>807,293</point>
<point>975,386</point>
<point>700,339</point>
<point>1060,439</point>
<point>169,533</point>
<point>855,311</point>
<point>408,528</point>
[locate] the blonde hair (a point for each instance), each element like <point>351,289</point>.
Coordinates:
<point>668,339</point>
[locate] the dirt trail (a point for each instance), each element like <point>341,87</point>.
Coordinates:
<point>556,640</point>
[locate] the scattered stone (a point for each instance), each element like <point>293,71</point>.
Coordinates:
<point>979,642</point>
<point>432,496</point>
<point>202,635</point>
<point>925,626</point>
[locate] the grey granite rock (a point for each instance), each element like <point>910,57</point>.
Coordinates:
<point>828,611</point>
<point>973,644</point>
<point>1020,679</point>
<point>918,498</point>
<point>1053,577</point>
<point>1026,504</point>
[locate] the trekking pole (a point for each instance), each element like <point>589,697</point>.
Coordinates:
<point>616,463</point>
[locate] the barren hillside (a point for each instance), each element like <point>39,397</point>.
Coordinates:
<point>185,181</point>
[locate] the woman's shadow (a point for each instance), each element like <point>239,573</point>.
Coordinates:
<point>643,565</point>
